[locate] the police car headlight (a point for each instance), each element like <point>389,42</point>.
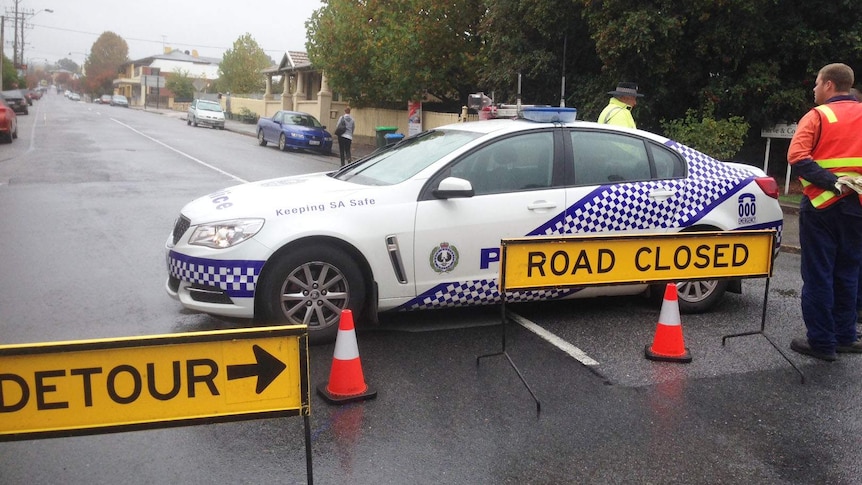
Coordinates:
<point>220,235</point>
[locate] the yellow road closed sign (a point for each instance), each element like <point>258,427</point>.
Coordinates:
<point>107,385</point>
<point>540,262</point>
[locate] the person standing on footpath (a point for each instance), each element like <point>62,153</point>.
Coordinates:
<point>619,109</point>
<point>826,149</point>
<point>344,132</point>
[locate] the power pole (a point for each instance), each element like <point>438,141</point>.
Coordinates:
<point>2,46</point>
<point>15,41</point>
<point>18,17</point>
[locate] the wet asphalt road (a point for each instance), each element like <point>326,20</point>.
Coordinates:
<point>88,196</point>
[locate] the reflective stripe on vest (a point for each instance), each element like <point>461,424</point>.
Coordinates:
<point>833,155</point>
<point>827,112</point>
<point>825,195</point>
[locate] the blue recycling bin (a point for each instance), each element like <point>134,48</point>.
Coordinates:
<point>393,138</point>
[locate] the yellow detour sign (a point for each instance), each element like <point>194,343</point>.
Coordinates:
<point>109,385</point>
<point>541,262</point>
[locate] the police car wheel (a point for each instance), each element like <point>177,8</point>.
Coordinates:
<point>312,285</point>
<point>260,140</point>
<point>700,296</point>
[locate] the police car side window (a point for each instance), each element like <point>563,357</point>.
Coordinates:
<point>522,162</point>
<point>667,164</point>
<point>606,158</point>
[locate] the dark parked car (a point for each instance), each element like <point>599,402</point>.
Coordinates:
<point>16,100</point>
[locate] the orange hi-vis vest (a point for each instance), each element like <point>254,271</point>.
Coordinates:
<point>839,148</point>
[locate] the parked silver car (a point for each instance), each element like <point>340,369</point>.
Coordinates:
<point>119,100</point>
<point>205,112</point>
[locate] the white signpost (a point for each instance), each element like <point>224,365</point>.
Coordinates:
<point>781,130</point>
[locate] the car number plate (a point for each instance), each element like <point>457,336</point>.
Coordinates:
<point>314,142</point>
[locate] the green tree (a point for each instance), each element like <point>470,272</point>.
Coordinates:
<point>541,40</point>
<point>107,54</point>
<point>241,66</point>
<point>375,52</point>
<point>750,58</point>
<point>181,84</point>
<point>69,65</point>
<point>720,139</point>
<point>10,74</point>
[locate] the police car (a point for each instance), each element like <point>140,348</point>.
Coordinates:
<point>418,225</point>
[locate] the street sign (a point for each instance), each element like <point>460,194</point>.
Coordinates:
<point>780,130</point>
<point>560,262</point>
<point>151,81</point>
<point>111,385</point>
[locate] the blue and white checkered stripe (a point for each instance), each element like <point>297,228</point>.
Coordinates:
<point>236,278</point>
<point>616,207</point>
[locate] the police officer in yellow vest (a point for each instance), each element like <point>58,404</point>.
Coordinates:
<point>619,109</point>
<point>825,150</point>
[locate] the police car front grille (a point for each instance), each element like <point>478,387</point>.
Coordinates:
<point>181,227</point>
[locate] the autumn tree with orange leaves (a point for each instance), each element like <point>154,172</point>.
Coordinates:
<point>108,53</point>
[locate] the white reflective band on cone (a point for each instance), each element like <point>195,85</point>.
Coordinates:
<point>669,313</point>
<point>345,345</point>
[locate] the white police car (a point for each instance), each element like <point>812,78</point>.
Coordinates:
<point>418,226</point>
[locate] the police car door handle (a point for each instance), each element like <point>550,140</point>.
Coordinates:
<point>541,205</point>
<point>662,194</point>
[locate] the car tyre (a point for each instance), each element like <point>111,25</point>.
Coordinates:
<point>311,285</point>
<point>194,122</point>
<point>189,120</point>
<point>700,296</point>
<point>260,139</point>
<point>282,143</point>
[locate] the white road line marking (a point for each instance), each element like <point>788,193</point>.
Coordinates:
<point>205,164</point>
<point>557,342</point>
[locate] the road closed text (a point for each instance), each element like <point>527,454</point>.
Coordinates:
<point>594,260</point>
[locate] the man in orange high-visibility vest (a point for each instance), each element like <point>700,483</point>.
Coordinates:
<point>827,148</point>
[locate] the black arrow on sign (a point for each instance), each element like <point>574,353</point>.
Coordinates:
<point>266,369</point>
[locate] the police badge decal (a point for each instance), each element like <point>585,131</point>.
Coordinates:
<point>444,258</point>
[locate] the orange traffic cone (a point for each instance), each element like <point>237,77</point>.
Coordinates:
<point>346,381</point>
<point>668,344</point>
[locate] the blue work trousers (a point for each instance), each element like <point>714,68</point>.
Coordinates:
<point>830,241</point>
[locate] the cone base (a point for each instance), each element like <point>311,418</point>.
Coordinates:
<point>684,358</point>
<point>331,398</point>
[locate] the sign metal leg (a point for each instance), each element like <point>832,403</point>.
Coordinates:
<point>763,333</point>
<point>503,351</point>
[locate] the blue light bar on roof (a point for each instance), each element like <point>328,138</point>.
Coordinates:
<point>549,114</point>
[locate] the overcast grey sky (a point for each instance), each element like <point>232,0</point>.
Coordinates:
<point>208,26</point>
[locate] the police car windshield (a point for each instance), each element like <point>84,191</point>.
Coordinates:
<point>404,160</point>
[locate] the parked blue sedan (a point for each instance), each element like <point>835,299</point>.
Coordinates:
<point>294,130</point>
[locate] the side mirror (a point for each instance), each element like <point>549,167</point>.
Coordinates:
<point>454,188</point>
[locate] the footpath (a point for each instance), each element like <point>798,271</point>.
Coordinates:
<point>789,235</point>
